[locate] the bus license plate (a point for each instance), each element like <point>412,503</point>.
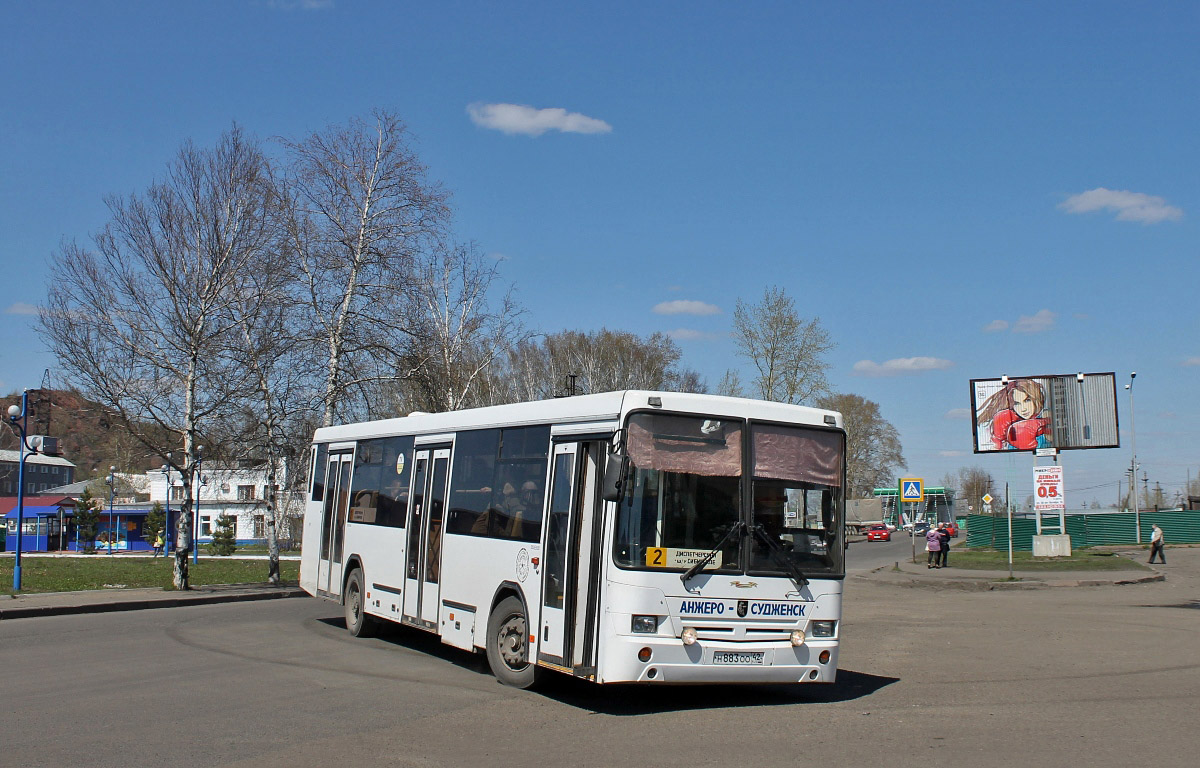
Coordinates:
<point>737,657</point>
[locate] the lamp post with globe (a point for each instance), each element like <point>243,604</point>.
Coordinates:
<point>18,419</point>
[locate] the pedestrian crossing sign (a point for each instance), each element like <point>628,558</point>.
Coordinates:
<point>912,489</point>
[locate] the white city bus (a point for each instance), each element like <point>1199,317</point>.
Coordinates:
<point>632,536</point>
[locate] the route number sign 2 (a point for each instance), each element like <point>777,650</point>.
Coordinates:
<point>1048,489</point>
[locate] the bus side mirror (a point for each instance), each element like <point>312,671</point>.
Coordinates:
<point>613,487</point>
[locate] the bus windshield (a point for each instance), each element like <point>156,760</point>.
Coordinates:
<point>797,492</point>
<point>684,494</point>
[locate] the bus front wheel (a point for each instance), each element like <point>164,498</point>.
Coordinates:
<point>508,644</point>
<point>358,622</point>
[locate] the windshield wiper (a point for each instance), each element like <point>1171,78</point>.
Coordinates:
<point>773,545</point>
<point>738,527</point>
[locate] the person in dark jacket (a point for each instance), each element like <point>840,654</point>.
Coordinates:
<point>944,540</point>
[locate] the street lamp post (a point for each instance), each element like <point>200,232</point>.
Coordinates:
<point>20,413</point>
<point>166,470</point>
<point>1008,507</point>
<point>199,480</point>
<point>112,491</point>
<point>1137,517</point>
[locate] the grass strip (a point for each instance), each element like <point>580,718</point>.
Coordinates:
<point>71,574</point>
<point>1080,560</point>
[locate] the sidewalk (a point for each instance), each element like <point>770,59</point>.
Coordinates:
<point>28,605</point>
<point>918,575</point>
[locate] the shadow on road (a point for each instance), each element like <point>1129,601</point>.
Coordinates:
<point>635,699</point>
<point>420,641</point>
<point>624,699</point>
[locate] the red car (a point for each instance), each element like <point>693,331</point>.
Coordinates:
<point>879,533</point>
<point>952,528</point>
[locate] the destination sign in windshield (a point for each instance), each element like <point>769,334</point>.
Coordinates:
<point>671,557</point>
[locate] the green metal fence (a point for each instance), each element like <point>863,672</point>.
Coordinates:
<point>1179,527</point>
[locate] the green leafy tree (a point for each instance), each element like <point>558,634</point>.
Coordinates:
<point>224,539</point>
<point>87,518</point>
<point>156,523</point>
<point>873,452</point>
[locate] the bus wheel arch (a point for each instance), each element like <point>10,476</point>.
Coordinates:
<point>507,641</point>
<point>358,623</point>
<point>353,563</point>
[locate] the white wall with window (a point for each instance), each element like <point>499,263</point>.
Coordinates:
<point>239,493</point>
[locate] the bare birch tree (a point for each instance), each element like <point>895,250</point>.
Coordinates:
<point>361,211</point>
<point>787,352</point>
<point>462,327</point>
<point>599,361</point>
<point>274,422</point>
<point>140,319</point>
<point>974,483</point>
<point>731,384</point>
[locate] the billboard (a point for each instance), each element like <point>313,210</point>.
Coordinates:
<point>1048,489</point>
<point>1028,413</point>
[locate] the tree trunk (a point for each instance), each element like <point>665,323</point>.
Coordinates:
<point>272,528</point>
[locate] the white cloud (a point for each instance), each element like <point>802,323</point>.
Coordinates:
<point>686,307</point>
<point>901,366</point>
<point>519,118</point>
<point>1129,206</point>
<point>21,308</point>
<point>1042,321</point>
<point>958,413</point>
<point>1192,361</point>
<point>690,334</point>
<point>996,325</point>
<point>303,5</point>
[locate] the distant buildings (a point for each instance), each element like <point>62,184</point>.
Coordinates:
<point>41,473</point>
<point>239,493</point>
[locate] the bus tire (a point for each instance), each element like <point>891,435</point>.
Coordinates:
<point>358,623</point>
<point>508,644</point>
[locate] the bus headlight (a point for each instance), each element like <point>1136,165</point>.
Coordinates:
<point>797,637</point>
<point>822,628</point>
<point>688,635</point>
<point>645,625</point>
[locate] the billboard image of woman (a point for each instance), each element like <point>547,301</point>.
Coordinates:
<point>1014,418</point>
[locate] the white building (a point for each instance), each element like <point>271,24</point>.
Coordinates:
<point>240,493</point>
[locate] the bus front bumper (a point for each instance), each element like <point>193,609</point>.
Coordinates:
<point>670,661</point>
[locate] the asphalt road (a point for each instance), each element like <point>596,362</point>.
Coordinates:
<point>868,555</point>
<point>1100,676</point>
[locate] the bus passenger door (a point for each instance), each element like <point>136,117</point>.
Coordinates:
<point>569,586</point>
<point>427,508</point>
<point>333,521</point>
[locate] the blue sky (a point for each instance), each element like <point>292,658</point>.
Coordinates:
<point>957,190</point>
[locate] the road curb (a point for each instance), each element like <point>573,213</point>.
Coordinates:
<point>31,611</point>
<point>904,579</point>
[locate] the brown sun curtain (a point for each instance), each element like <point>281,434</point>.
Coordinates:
<point>798,455</point>
<point>686,445</point>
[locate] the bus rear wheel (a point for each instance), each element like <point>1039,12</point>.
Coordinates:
<point>508,644</point>
<point>358,623</point>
